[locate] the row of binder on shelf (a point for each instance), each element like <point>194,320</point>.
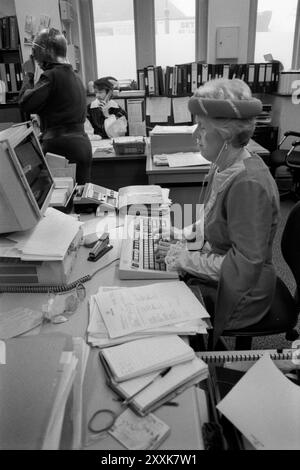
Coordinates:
<point>9,33</point>
<point>184,79</point>
<point>11,74</point>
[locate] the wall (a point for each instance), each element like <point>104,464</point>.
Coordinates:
<point>228,13</point>
<point>7,8</point>
<point>35,9</point>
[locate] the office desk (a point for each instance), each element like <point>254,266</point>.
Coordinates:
<point>116,171</point>
<point>185,183</point>
<point>165,175</point>
<point>183,419</point>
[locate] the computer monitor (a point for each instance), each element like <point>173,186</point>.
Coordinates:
<point>26,183</point>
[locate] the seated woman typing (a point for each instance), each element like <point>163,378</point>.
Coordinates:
<point>241,208</point>
<point>106,116</point>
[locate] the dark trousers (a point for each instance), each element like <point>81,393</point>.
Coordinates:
<point>76,147</point>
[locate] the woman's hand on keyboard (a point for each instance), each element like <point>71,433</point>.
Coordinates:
<point>169,234</point>
<point>162,249</point>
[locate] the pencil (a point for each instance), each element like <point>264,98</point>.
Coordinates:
<point>159,376</point>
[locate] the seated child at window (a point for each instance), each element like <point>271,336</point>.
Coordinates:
<point>106,116</point>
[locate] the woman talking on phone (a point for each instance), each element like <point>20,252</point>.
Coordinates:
<point>59,98</point>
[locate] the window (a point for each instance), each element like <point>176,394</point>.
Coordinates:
<point>115,39</point>
<point>275,28</point>
<point>174,31</point>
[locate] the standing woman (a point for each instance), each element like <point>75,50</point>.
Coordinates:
<point>241,210</point>
<point>60,101</point>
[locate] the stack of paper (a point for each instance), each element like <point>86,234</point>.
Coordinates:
<point>50,238</point>
<point>148,372</point>
<point>63,187</point>
<point>36,380</point>
<point>118,315</point>
<point>180,159</point>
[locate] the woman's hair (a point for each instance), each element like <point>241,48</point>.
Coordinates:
<point>236,131</point>
<point>48,45</point>
<point>105,83</point>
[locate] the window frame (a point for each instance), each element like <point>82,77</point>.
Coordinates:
<point>252,35</point>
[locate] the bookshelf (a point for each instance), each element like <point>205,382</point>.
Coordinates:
<point>10,68</point>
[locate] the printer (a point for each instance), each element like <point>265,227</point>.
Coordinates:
<point>26,258</point>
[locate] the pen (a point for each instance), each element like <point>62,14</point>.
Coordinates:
<point>159,376</point>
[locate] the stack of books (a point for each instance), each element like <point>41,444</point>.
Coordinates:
<point>36,376</point>
<point>119,315</point>
<point>149,372</point>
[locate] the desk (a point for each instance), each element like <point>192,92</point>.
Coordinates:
<point>183,420</point>
<point>192,174</point>
<point>117,171</point>
<point>184,182</point>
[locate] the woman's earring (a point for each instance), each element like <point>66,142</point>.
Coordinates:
<point>226,146</point>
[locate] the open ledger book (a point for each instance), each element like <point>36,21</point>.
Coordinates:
<point>141,197</point>
<point>136,358</point>
<point>153,390</point>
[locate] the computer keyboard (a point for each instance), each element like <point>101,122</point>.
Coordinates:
<point>140,237</point>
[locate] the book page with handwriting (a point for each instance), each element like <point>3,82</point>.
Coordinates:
<point>125,311</point>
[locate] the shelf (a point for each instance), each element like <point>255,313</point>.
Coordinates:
<point>9,50</point>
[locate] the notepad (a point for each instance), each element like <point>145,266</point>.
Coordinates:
<point>143,356</point>
<point>137,433</point>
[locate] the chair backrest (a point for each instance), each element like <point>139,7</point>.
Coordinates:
<point>290,242</point>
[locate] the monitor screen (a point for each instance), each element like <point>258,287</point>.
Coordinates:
<point>34,168</point>
<point>26,182</point>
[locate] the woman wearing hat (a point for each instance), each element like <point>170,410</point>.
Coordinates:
<point>105,115</point>
<point>59,98</point>
<point>241,209</point>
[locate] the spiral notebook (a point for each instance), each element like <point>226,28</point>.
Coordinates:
<point>220,357</point>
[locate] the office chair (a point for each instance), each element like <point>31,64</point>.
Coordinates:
<point>290,159</point>
<point>283,314</point>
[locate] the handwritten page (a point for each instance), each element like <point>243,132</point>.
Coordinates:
<point>265,406</point>
<point>158,109</point>
<point>98,334</point>
<point>182,159</point>
<point>125,311</point>
<point>137,433</point>
<point>181,111</point>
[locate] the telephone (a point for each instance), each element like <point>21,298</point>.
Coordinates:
<point>89,196</point>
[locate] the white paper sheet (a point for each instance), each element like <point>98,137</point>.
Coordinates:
<point>181,111</point>
<point>183,159</point>
<point>158,109</point>
<point>265,406</point>
<point>51,237</point>
<point>150,306</point>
